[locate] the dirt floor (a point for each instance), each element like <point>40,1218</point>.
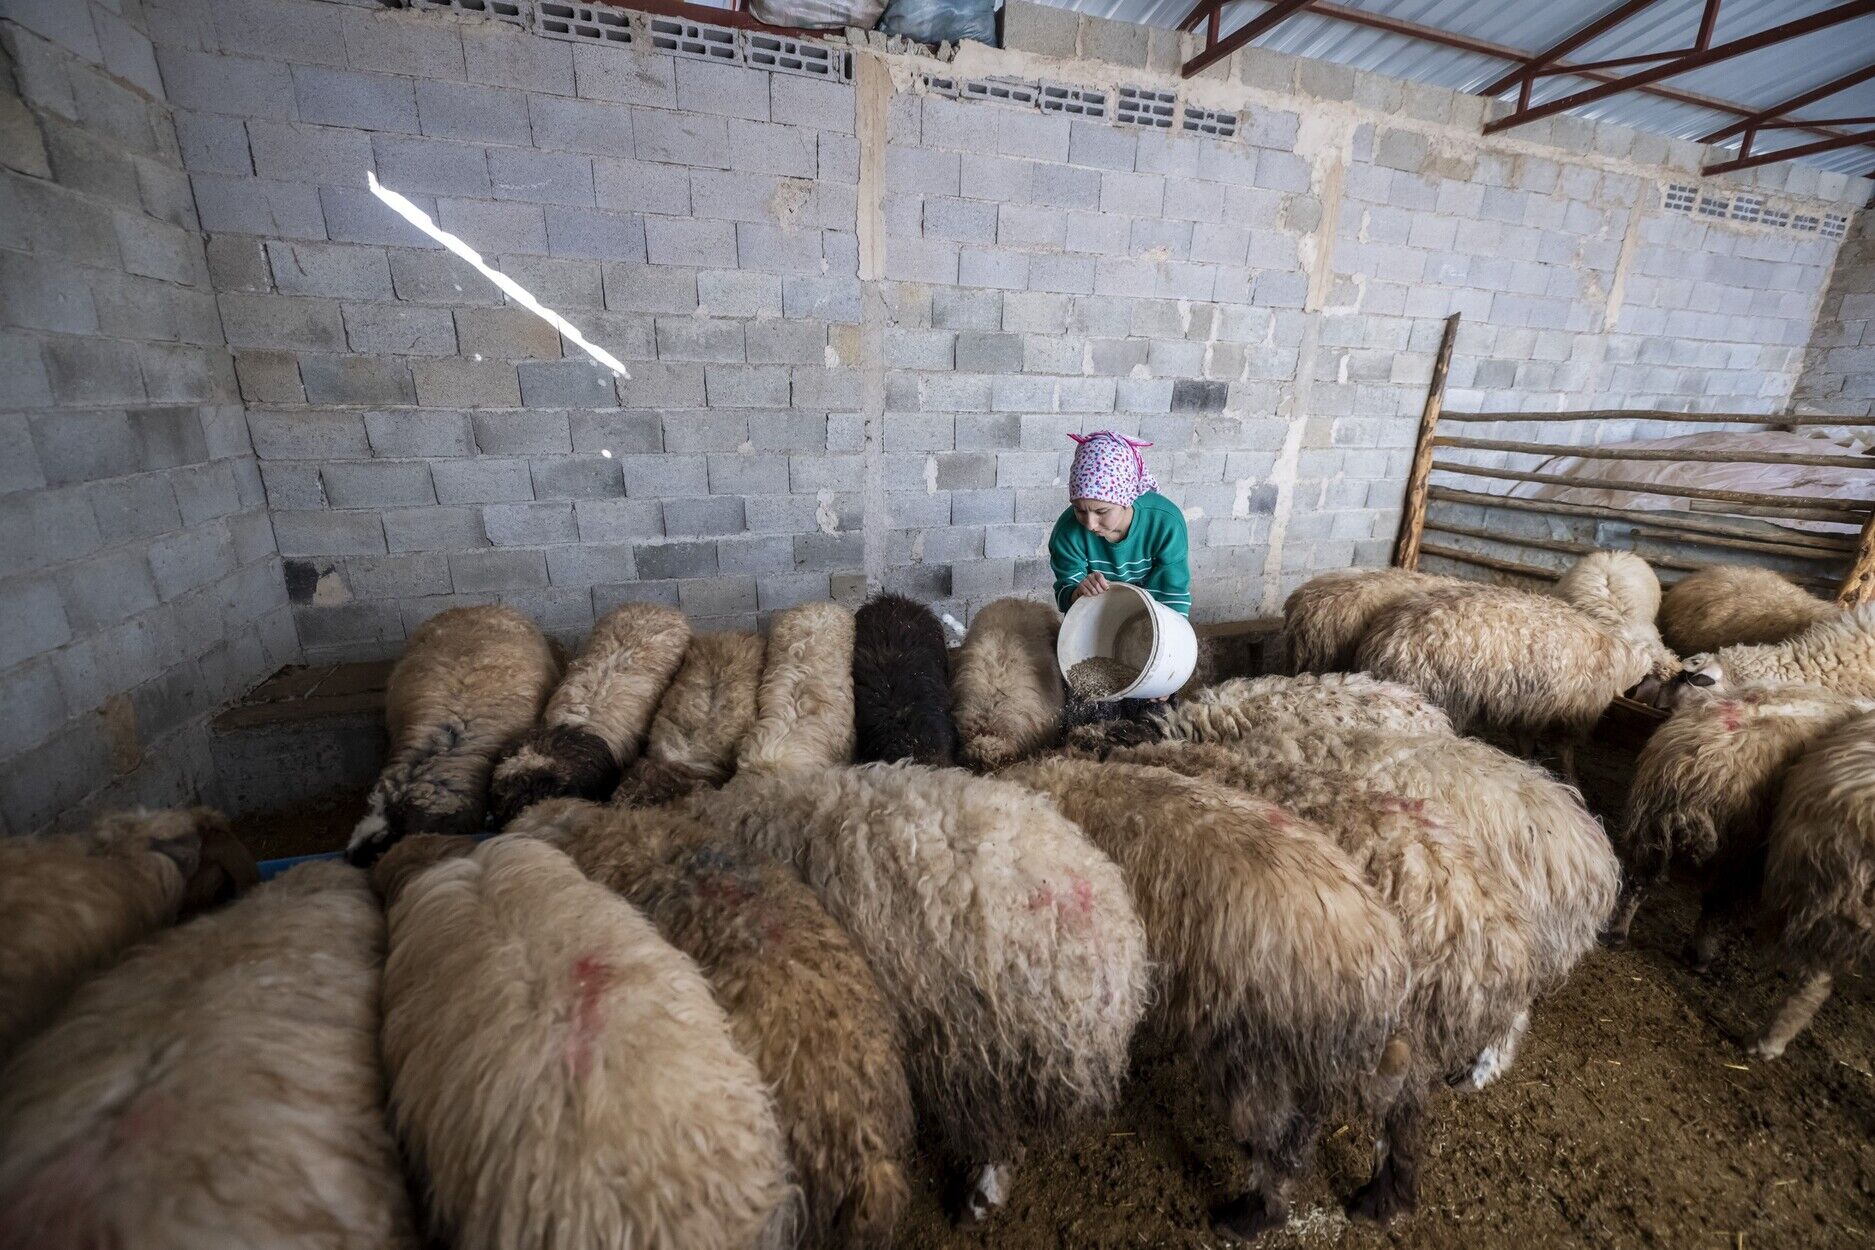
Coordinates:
<point>1633,1118</point>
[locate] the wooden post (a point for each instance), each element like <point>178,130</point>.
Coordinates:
<point>1413,517</point>
<point>1859,587</point>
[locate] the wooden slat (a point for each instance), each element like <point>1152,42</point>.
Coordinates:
<point>1690,523</point>
<point>1866,463</point>
<point>1766,546</point>
<point>1832,508</point>
<point>1859,586</point>
<point>1562,545</point>
<point>1413,517</point>
<point>1532,571</point>
<point>1657,414</point>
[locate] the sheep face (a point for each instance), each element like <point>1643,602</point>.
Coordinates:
<point>1702,676</point>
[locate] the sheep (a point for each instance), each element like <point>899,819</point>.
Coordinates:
<point>1468,945</point>
<point>1004,942</point>
<point>470,683</point>
<point>1621,593</point>
<point>901,684</point>
<point>1284,974</point>
<point>801,1001</point>
<point>595,723</point>
<point>804,705</point>
<point>1505,660</point>
<point>1837,652</point>
<point>220,1086</point>
<point>1243,706</point>
<point>1007,686</point>
<point>559,1072</point>
<point>1819,875</point>
<point>69,905</point>
<point>1325,618</point>
<point>1703,791</point>
<point>1731,605</point>
<point>700,722</point>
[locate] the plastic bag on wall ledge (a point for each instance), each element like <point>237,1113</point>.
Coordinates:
<point>942,21</point>
<point>818,14</point>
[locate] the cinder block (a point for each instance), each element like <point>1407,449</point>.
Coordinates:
<point>525,432</point>
<point>333,97</point>
<point>403,43</point>
<point>273,321</point>
<point>496,569</point>
<point>595,233</point>
<point>618,520</point>
<point>212,143</point>
<point>746,386</point>
<point>670,241</point>
<point>456,110</point>
<point>626,75</point>
<point>577,477</point>
<point>922,170</point>
<point>1041,28</point>
<point>774,250</point>
<point>1034,136</point>
<point>432,166</point>
<point>822,299</point>
<point>329,270</point>
<point>378,484</point>
<point>726,90</point>
<point>399,576</point>
<point>1139,195</point>
<point>484,479</point>
<point>490,225</point>
<point>530,524</point>
<point>354,215</point>
<point>665,476</point>
<point>692,339</point>
<point>93,371</point>
<point>566,383</point>
<point>434,529</point>
<point>499,55</point>
<point>676,560</point>
<point>226,84</point>
<point>823,105</point>
<point>1062,274</point>
<point>328,533</point>
<point>419,433</point>
<point>679,139</point>
<point>732,473</point>
<point>661,384</point>
<point>456,382</point>
<point>729,293</point>
<point>400,329</point>
<point>366,381</point>
<point>704,518</point>
<point>650,288</point>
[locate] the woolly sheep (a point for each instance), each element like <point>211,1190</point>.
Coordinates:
<point>804,705</point>
<point>469,684</point>
<point>1473,977</point>
<point>218,1087</point>
<point>1247,706</point>
<point>1005,943</point>
<point>560,1074</point>
<point>1837,652</point>
<point>1507,660</point>
<point>69,905</point>
<point>1325,618</point>
<point>901,684</point>
<point>1703,791</point>
<point>801,1001</point>
<point>1007,686</point>
<point>1733,605</point>
<point>1819,876</point>
<point>1621,593</point>
<point>1284,974</point>
<point>700,722</point>
<point>595,723</point>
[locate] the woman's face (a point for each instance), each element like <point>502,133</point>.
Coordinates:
<point>1107,520</point>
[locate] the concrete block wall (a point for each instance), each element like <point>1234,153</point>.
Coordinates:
<point>1839,368</point>
<point>139,584</point>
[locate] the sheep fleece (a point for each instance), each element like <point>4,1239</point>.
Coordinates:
<point>561,1074</point>
<point>1819,876</point>
<point>801,1001</point>
<point>1325,617</point>
<point>1837,652</point>
<point>1737,605</point>
<point>901,684</point>
<point>1007,691</point>
<point>701,721</point>
<point>1005,942</point>
<point>804,706</point>
<point>1346,701</point>
<point>220,1087</point>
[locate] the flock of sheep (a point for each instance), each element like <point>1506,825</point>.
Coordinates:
<point>761,907</point>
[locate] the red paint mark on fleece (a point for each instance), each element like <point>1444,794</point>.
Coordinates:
<point>1730,717</point>
<point>1075,905</point>
<point>592,976</point>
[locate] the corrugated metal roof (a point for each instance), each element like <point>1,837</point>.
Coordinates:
<point>1756,80</point>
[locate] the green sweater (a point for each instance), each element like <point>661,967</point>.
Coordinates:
<point>1153,556</point>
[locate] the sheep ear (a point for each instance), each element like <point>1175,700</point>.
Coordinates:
<point>1701,679</point>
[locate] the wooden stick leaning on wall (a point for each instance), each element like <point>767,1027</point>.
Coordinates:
<point>1656,414</point>
<point>1413,514</point>
<point>1677,455</point>
<point>1693,523</point>
<point>1859,586</point>
<point>1847,511</point>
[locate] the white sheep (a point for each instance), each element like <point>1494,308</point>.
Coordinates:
<point>1837,652</point>
<point>594,724</point>
<point>1733,605</point>
<point>701,721</point>
<point>801,1001</point>
<point>1703,791</point>
<point>1007,694</point>
<point>1819,875</point>
<point>1325,617</point>
<point>220,1086</point>
<point>1284,974</point>
<point>1005,943</point>
<point>470,682</point>
<point>70,905</point>
<point>804,705</point>
<point>1620,592</point>
<point>1230,710</point>
<point>560,1073</point>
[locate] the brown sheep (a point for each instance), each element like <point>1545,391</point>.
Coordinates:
<point>1283,973</point>
<point>700,722</point>
<point>595,723</point>
<point>801,1001</point>
<point>1732,605</point>
<point>70,905</point>
<point>804,705</point>
<point>561,1074</point>
<point>470,682</point>
<point>1819,877</point>
<point>1325,618</point>
<point>220,1086</point>
<point>1007,693</point>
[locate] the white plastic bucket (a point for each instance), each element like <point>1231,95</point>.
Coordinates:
<point>1129,625</point>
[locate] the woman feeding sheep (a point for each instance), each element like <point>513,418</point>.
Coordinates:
<point>1118,527</point>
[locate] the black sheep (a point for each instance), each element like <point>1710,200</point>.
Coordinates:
<point>901,684</point>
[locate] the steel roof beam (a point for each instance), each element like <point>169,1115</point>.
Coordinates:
<point>1556,51</point>
<point>1711,56</point>
<point>1777,112</point>
<point>1262,23</point>
<point>1748,161</point>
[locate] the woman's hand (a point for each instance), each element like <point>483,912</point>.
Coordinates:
<point>1092,584</point>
